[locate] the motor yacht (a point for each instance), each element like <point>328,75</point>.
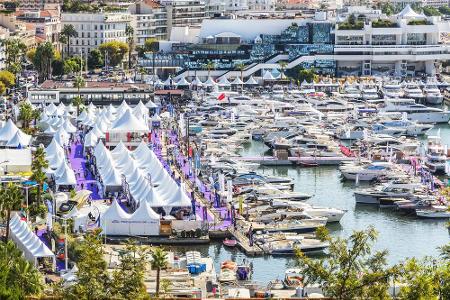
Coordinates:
<point>432,93</point>
<point>391,190</point>
<point>383,129</point>
<point>436,156</point>
<point>351,92</point>
<point>392,89</point>
<point>367,172</point>
<point>332,214</point>
<point>434,212</point>
<point>413,91</point>
<point>410,128</point>
<point>370,92</point>
<point>416,112</point>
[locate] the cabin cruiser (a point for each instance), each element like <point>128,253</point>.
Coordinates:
<point>370,92</point>
<point>436,156</point>
<point>300,226</point>
<point>432,93</point>
<point>366,172</point>
<point>410,128</point>
<point>288,244</point>
<point>392,89</point>
<point>349,132</point>
<point>332,214</point>
<point>351,92</point>
<point>416,112</point>
<point>228,164</point>
<point>383,129</point>
<point>391,190</point>
<point>413,91</point>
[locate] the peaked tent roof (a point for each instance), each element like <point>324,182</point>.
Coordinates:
<point>407,12</point>
<point>237,81</point>
<point>223,81</point>
<point>19,138</point>
<point>183,82</point>
<point>251,81</point>
<point>8,131</point>
<point>128,123</point>
<point>210,82</point>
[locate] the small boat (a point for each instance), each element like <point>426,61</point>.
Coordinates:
<point>308,164</point>
<point>293,279</point>
<point>230,242</point>
<point>228,272</point>
<point>276,284</point>
<point>434,212</point>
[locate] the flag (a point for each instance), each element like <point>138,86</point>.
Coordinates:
<point>221,97</point>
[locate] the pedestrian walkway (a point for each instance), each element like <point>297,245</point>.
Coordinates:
<point>78,163</point>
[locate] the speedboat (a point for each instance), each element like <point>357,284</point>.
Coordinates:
<point>434,212</point>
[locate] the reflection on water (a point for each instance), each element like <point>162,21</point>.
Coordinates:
<point>403,236</point>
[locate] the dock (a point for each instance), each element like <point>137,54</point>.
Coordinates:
<point>321,161</point>
<point>244,243</point>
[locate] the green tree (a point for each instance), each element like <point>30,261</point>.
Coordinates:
<point>351,270</point>
<point>93,278</point>
<point>388,9</point>
<point>14,52</point>
<point>129,31</point>
<point>72,65</point>
<point>38,166</point>
<point>445,10</point>
<point>210,66</point>
<point>95,59</point>
<point>26,114</point>
<point>7,78</point>
<point>10,199</point>
<point>418,280</point>
<point>18,277</point>
<point>128,278</point>
<point>241,68</point>
<point>115,50</point>
<point>78,102</point>
<point>68,31</point>
<point>151,45</point>
<point>283,65</point>
<point>43,59</point>
<point>159,261</point>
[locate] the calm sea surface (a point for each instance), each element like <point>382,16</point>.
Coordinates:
<point>402,236</point>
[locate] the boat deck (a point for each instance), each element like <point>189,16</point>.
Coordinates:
<point>244,243</point>
<point>321,161</point>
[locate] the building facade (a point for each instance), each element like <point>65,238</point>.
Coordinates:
<point>182,13</point>
<point>95,29</point>
<point>149,20</point>
<point>47,24</point>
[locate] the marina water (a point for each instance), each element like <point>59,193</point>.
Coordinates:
<point>403,236</point>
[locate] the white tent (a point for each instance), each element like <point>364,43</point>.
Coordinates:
<point>147,219</point>
<point>168,82</point>
<point>61,136</point>
<point>223,81</point>
<point>51,109</point>
<point>113,220</point>
<point>237,81</point>
<point>122,108</point>
<point>183,82</point>
<point>251,81</point>
<point>67,177</point>
<point>90,140</point>
<point>111,179</point>
<point>141,111</point>
<point>197,81</point>
<point>19,139</point>
<point>32,247</point>
<point>8,131</point>
<point>68,127</point>
<point>210,82</point>
<point>150,104</point>
<point>268,76</point>
<point>53,148</point>
<point>50,129</point>
<point>128,123</point>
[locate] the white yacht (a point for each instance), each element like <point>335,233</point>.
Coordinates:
<point>366,172</point>
<point>432,93</point>
<point>351,92</point>
<point>392,89</point>
<point>370,92</point>
<point>436,155</point>
<point>411,128</point>
<point>413,91</point>
<point>390,190</point>
<point>379,128</point>
<point>416,112</point>
<point>434,212</point>
<point>331,214</point>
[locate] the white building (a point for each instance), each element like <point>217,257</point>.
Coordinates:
<point>149,20</point>
<point>182,13</point>
<point>405,43</point>
<point>95,29</point>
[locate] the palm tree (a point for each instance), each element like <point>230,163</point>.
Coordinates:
<point>210,65</point>
<point>10,199</point>
<point>78,102</point>
<point>159,261</point>
<point>283,65</point>
<point>26,114</point>
<point>38,165</point>
<point>62,40</point>
<point>129,31</point>
<point>68,31</point>
<point>152,45</point>
<point>79,83</point>
<point>241,67</point>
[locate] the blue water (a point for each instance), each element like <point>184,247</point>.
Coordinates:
<point>402,236</point>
